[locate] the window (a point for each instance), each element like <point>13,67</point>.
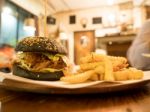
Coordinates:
<point>12,23</point>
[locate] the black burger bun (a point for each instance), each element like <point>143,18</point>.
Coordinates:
<point>40,44</point>
<point>49,76</point>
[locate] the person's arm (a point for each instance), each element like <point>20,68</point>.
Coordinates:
<point>140,45</point>
<point>135,56</point>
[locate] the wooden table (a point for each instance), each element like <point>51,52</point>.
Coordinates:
<point>136,100</point>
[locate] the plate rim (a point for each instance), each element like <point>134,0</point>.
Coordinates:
<point>12,84</point>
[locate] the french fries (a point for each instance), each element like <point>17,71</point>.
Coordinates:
<point>93,57</point>
<point>95,77</point>
<point>128,74</point>
<point>90,66</point>
<point>102,67</point>
<point>78,78</point>
<point>108,70</point>
<point>99,70</point>
<point>99,73</point>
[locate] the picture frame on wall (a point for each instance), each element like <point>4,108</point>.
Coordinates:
<point>97,20</point>
<point>72,19</point>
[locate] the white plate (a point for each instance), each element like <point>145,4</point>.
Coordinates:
<point>12,82</point>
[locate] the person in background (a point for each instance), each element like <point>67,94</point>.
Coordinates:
<point>140,45</point>
<point>6,57</point>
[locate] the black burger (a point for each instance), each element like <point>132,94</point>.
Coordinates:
<point>40,58</point>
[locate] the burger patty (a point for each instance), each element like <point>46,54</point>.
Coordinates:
<point>38,61</point>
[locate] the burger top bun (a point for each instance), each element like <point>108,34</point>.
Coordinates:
<point>40,44</point>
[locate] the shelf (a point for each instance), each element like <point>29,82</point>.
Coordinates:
<point>116,38</point>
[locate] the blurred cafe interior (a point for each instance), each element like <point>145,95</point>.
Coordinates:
<point>82,26</point>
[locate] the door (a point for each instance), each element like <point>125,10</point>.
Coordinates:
<point>84,43</point>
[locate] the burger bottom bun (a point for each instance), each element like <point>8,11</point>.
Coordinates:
<point>49,76</point>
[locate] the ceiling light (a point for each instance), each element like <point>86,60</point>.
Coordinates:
<point>29,24</point>
<point>63,36</point>
<point>84,22</point>
<point>29,28</point>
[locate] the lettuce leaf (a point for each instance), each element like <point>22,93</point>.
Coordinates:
<point>53,57</point>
